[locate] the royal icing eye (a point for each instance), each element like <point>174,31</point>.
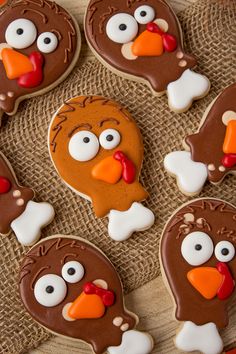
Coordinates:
<point>144,14</point>
<point>72,271</point>
<point>21,33</point>
<point>224,251</point>
<point>122,28</point>
<point>50,290</point>
<point>197,248</point>
<point>83,146</point>
<point>109,139</point>
<point>47,42</point>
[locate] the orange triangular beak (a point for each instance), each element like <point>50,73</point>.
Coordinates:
<point>86,307</point>
<point>229,146</point>
<point>206,280</point>
<point>15,64</point>
<point>108,170</point>
<point>148,44</point>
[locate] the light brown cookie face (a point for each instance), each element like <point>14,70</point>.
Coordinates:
<point>72,289</point>
<point>198,259</point>
<point>39,46</point>
<point>97,149</point>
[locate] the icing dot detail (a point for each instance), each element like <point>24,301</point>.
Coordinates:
<point>117,321</point>
<point>10,94</point>
<point>221,168</point>
<point>182,63</point>
<point>20,202</point>
<point>16,193</point>
<point>3,97</point>
<point>124,327</point>
<point>179,55</point>
<point>211,167</point>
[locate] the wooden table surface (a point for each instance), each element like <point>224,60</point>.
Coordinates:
<point>151,302</point>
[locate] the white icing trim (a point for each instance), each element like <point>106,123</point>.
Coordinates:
<point>190,175</point>
<point>133,342</point>
<point>205,338</point>
<point>228,116</point>
<point>123,223</point>
<point>126,51</point>
<point>162,24</point>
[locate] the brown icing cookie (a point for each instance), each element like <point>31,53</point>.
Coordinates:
<point>96,148</point>
<point>198,262</point>
<point>18,211</point>
<point>142,40</point>
<point>211,151</point>
<point>71,288</point>
<point>39,46</point>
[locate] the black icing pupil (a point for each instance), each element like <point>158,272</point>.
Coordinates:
<point>47,40</point>
<point>19,31</point>
<point>225,251</point>
<point>122,27</point>
<point>49,289</point>
<point>198,247</point>
<point>71,271</point>
<point>109,137</point>
<point>86,140</point>
<point>143,13</point>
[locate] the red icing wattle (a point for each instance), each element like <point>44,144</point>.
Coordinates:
<point>169,41</point>
<point>35,77</point>
<point>128,168</point>
<point>5,185</point>
<point>229,160</point>
<point>228,284</point>
<point>107,296</point>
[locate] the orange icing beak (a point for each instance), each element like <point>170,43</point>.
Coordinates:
<point>108,170</point>
<point>229,146</point>
<point>15,64</point>
<point>206,280</point>
<point>148,44</point>
<point>87,307</point>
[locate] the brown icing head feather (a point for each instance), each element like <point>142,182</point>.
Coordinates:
<point>156,69</point>
<point>55,53</point>
<point>86,163</point>
<point>55,256</point>
<point>199,236</point>
<point>207,144</point>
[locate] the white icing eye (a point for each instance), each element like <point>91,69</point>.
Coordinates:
<point>144,14</point>
<point>72,271</point>
<point>197,248</point>
<point>21,33</point>
<point>47,42</point>
<point>50,290</point>
<point>122,28</point>
<point>83,146</point>
<point>109,139</point>
<point>224,251</point>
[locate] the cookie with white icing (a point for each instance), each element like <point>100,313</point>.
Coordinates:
<point>210,152</point>
<point>197,253</point>
<point>97,150</point>
<point>18,211</point>
<point>71,288</point>
<point>142,40</point>
<point>39,46</point>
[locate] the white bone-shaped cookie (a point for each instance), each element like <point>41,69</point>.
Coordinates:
<point>133,342</point>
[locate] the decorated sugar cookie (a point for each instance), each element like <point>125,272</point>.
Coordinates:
<point>39,46</point>
<point>211,152</point>
<point>97,150</point>
<point>198,262</point>
<point>18,211</point>
<point>71,288</point>
<point>142,40</point>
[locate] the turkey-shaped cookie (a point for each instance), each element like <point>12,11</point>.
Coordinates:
<point>71,288</point>
<point>142,40</point>
<point>18,211</point>
<point>212,152</point>
<point>39,46</point>
<point>96,148</point>
<point>198,262</point>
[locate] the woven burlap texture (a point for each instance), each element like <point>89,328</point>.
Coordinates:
<point>210,33</point>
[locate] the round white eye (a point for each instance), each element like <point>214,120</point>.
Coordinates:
<point>224,251</point>
<point>144,14</point>
<point>50,290</point>
<point>47,42</point>
<point>83,146</point>
<point>72,271</point>
<point>109,139</point>
<point>197,248</point>
<point>122,28</point>
<point>21,33</point>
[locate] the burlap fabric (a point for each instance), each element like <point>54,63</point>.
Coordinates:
<point>210,33</point>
